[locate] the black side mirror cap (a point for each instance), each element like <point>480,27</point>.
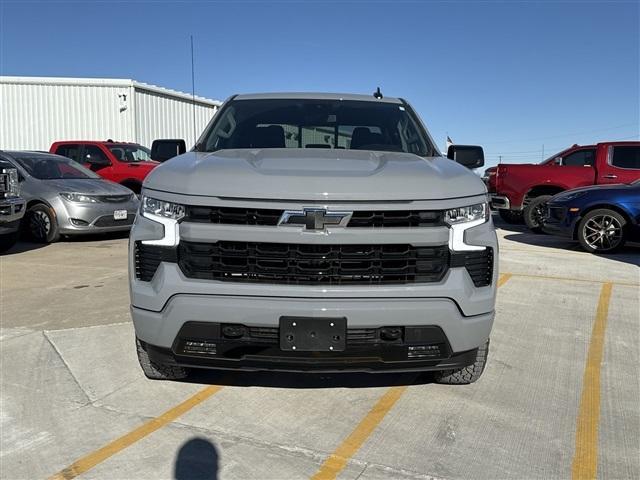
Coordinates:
<point>163,150</point>
<point>471,156</point>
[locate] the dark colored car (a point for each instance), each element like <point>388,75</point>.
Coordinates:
<point>12,206</point>
<point>125,163</point>
<point>601,218</point>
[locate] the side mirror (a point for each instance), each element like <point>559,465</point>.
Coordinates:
<point>471,156</point>
<point>163,150</point>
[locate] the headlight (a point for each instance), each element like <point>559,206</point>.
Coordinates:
<point>455,216</point>
<point>78,197</point>
<point>11,187</point>
<point>160,208</point>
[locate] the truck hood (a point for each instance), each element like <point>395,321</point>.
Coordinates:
<point>314,174</point>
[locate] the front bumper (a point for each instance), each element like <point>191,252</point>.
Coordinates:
<point>560,221</point>
<point>499,202</point>
<point>358,359</point>
<point>11,211</point>
<point>77,218</point>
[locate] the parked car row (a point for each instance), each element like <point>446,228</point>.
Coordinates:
<point>61,197</point>
<point>587,193</point>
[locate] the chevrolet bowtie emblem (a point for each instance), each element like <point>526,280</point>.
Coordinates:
<point>315,219</point>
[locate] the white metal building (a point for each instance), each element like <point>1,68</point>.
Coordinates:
<point>36,111</point>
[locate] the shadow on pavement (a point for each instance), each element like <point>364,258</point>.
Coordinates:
<point>308,380</point>
<point>25,245</point>
<point>21,247</point>
<point>630,253</point>
<point>197,460</point>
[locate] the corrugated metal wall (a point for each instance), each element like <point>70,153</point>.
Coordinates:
<point>35,112</point>
<point>33,116</point>
<point>163,116</point>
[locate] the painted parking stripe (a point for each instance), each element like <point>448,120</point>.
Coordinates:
<point>98,456</point>
<point>336,462</point>
<point>333,465</point>
<point>504,278</point>
<point>585,458</point>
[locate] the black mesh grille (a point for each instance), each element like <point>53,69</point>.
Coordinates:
<point>363,218</point>
<point>312,264</point>
<point>396,218</point>
<point>479,265</point>
<point>108,221</point>
<point>148,258</point>
<point>233,216</point>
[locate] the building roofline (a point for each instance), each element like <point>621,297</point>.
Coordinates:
<point>107,82</point>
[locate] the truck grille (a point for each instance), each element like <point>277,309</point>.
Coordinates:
<point>479,264</point>
<point>313,264</point>
<point>304,264</point>
<point>362,219</point>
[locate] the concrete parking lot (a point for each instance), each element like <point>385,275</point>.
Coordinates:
<point>559,398</point>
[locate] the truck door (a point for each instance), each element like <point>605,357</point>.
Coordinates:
<point>95,159</point>
<point>621,164</point>
<point>579,167</point>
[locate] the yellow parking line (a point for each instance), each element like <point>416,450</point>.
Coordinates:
<point>504,278</point>
<point>333,465</point>
<point>585,459</point>
<point>98,456</point>
<point>336,462</point>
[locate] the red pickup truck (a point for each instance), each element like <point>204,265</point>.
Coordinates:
<point>522,191</point>
<point>121,162</point>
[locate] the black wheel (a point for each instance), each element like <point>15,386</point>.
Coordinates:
<point>156,371</point>
<point>535,212</point>
<point>466,375</point>
<point>601,231</point>
<point>42,225</point>
<point>512,217</point>
<point>7,241</point>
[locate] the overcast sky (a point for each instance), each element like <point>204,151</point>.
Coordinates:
<point>511,76</point>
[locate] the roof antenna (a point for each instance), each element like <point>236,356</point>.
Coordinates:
<point>377,94</point>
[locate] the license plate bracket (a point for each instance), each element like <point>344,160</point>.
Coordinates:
<point>310,334</point>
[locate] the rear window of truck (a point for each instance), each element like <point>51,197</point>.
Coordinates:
<point>626,157</point>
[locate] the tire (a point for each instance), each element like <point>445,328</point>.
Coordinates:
<point>534,213</point>
<point>466,375</point>
<point>602,231</point>
<point>156,371</point>
<point>41,224</point>
<point>7,241</point>
<point>512,217</point>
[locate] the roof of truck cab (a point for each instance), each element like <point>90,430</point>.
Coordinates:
<point>315,96</point>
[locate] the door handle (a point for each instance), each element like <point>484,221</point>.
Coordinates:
<point>611,176</point>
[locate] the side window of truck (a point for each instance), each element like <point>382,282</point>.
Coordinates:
<point>69,151</point>
<point>93,154</point>
<point>626,157</point>
<point>581,158</point>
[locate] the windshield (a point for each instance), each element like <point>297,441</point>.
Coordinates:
<point>327,124</point>
<point>130,153</point>
<point>53,167</point>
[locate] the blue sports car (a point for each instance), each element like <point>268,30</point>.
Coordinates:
<point>601,218</point>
